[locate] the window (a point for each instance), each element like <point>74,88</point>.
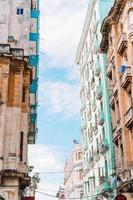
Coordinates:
<point>130,13</point>
<point>23,95</point>
<point>21,146</point>
<point>20,11</point>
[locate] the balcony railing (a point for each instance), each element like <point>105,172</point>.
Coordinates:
<point>4,48</point>
<point>34,86</point>
<point>85,146</point>
<point>129,118</point>
<point>126,78</point>
<point>84,125</point>
<point>97,70</point>
<point>117,130</point>
<point>34,36</point>
<point>125,181</point>
<point>35,13</point>
<point>130,30</point>
<point>101,118</point>
<point>17,52</point>
<point>103,146</point>
<point>92,82</point>
<point>33,60</point>
<point>94,106</point>
<point>114,90</point>
<point>32,137</point>
<point>91,161</point>
<point>122,43</point>
<point>96,155</point>
<point>105,185</point>
<point>99,92</point>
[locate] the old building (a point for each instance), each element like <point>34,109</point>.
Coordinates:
<point>96,130</point>
<point>73,175</point>
<point>19,24</point>
<point>117,43</point>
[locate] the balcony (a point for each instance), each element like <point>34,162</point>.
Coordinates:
<point>129,118</point>
<point>117,130</point>
<point>33,60</point>
<point>94,106</point>
<point>99,92</point>
<point>86,167</point>
<point>105,185</point>
<point>122,43</point>
<point>17,52</point>
<point>91,161</point>
<point>34,37</point>
<point>94,129</point>
<point>4,48</point>
<point>96,155</point>
<point>130,31</point>
<point>125,182</point>
<point>84,125</point>
<point>85,146</point>
<point>32,137</point>
<point>126,78</point>
<point>101,118</point>
<point>92,83</point>
<point>114,91</point>
<point>90,138</point>
<point>34,86</point>
<point>97,70</point>
<point>35,13</point>
<point>109,71</point>
<point>103,146</point>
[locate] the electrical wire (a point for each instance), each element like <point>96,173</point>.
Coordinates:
<point>53,196</point>
<point>41,52</point>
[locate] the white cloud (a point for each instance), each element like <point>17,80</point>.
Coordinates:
<point>44,158</point>
<point>60,98</point>
<point>61,25</point>
<point>47,159</point>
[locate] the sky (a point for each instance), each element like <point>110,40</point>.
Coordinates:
<point>61,24</point>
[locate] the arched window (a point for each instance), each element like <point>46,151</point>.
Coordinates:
<point>130,14</point>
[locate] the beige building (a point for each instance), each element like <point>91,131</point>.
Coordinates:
<point>18,92</point>
<point>15,77</point>
<point>117,43</point>
<point>73,175</point>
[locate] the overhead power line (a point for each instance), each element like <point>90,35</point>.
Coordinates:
<point>53,196</point>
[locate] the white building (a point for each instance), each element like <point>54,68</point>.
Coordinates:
<point>73,174</point>
<point>96,130</point>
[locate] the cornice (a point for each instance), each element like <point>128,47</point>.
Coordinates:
<point>85,30</point>
<point>113,17</point>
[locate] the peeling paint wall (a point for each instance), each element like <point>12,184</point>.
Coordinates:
<point>14,28</point>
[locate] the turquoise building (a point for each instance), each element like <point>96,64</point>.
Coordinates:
<point>33,61</point>
<point>96,127</point>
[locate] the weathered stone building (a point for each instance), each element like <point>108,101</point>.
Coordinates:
<point>18,92</point>
<point>117,43</point>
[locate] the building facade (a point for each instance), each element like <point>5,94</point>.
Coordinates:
<point>19,25</point>
<point>117,43</point>
<point>73,175</point>
<point>61,194</point>
<point>96,130</point>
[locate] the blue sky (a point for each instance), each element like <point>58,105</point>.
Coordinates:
<point>59,106</point>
